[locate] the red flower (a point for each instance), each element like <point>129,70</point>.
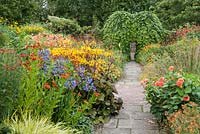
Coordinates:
<point>97,94</point>
<point>179,83</point>
<point>33,57</point>
<point>23,55</point>
<point>171,68</point>
<point>186,98</point>
<point>47,86</point>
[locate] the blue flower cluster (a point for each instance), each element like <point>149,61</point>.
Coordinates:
<point>71,84</point>
<point>58,67</point>
<point>45,55</point>
<point>89,84</point>
<point>86,81</point>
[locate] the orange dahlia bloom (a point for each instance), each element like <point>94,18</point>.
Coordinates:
<point>179,83</point>
<point>171,68</point>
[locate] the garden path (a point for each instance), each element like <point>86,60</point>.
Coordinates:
<point>134,117</point>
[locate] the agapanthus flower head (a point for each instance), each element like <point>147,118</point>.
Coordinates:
<point>44,54</point>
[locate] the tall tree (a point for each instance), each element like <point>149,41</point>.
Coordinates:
<point>85,10</point>
<point>174,13</point>
<point>22,10</point>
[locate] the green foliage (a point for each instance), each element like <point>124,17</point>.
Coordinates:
<point>143,28</point>
<point>84,11</point>
<point>10,75</point>
<point>62,25</point>
<point>106,103</point>
<point>86,125</point>
<point>174,13</point>
<point>171,91</point>
<point>117,30</point>
<point>27,124</point>
<point>33,95</point>
<point>8,38</point>
<point>4,129</point>
<point>147,29</point>
<point>21,10</point>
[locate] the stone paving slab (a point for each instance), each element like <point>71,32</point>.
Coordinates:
<point>143,124</point>
<point>112,123</point>
<point>116,131</point>
<point>125,123</point>
<point>139,131</point>
<point>123,114</point>
<point>135,116</point>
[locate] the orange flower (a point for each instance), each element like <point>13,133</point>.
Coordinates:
<point>159,83</point>
<point>97,94</point>
<point>47,86</point>
<point>79,94</point>
<point>54,84</point>
<point>146,80</point>
<point>65,76</point>
<point>179,83</point>
<point>171,68</point>
<point>162,79</point>
<point>33,57</point>
<point>186,98</point>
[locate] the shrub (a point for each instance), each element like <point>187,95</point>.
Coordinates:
<point>147,29</point>
<point>27,124</point>
<point>167,94</point>
<point>117,31</point>
<point>183,55</point>
<point>189,31</point>
<point>32,29</point>
<point>148,53</point>
<point>8,38</point>
<point>174,13</point>
<point>62,25</point>
<point>185,120</point>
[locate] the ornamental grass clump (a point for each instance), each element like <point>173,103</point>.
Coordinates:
<point>27,124</point>
<point>168,93</point>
